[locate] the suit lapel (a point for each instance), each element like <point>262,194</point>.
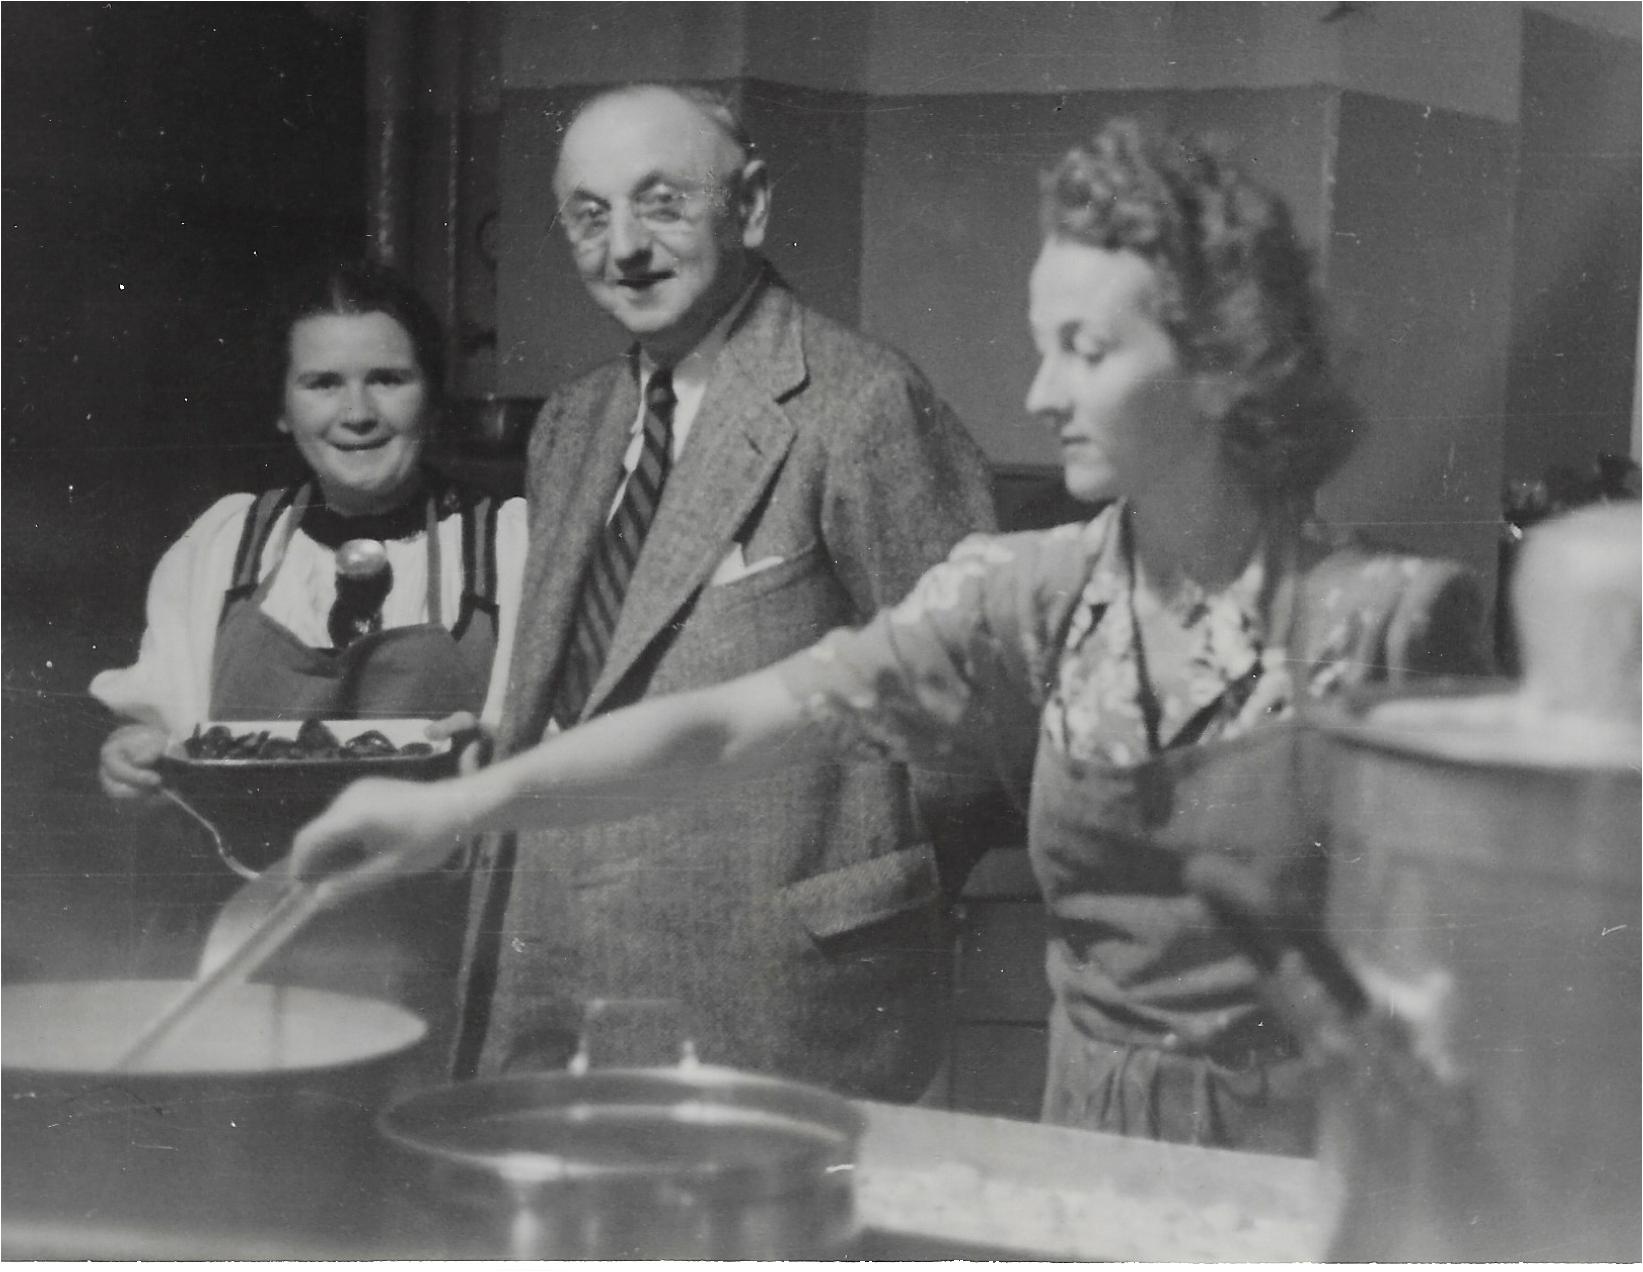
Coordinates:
<point>737,445</point>
<point>587,468</point>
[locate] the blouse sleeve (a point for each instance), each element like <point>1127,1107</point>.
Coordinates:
<point>958,670</point>
<point>512,541</point>
<point>170,683</point>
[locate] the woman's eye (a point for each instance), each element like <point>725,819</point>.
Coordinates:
<point>393,379</point>
<point>321,381</point>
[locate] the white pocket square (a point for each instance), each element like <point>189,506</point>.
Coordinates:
<point>735,566</point>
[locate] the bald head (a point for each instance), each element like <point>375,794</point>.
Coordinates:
<point>713,106</point>
<point>664,205</point>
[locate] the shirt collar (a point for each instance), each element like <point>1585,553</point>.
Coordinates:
<point>695,369</point>
<point>1232,620</point>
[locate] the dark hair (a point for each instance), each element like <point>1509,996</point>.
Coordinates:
<point>1236,292</point>
<point>718,105</point>
<point>359,287</point>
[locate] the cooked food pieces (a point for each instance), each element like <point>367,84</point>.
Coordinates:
<point>314,741</point>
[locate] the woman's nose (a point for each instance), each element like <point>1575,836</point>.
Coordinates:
<point>358,410</point>
<point>1045,399</point>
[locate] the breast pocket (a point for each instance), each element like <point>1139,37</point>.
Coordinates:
<point>788,572</point>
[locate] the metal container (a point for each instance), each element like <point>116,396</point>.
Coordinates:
<point>255,1119</point>
<point>693,1162</point>
<point>1485,886</point>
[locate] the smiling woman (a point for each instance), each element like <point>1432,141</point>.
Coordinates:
<point>261,611</point>
<point>241,610</point>
<point>356,403</point>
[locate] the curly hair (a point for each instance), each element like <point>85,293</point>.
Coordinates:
<point>356,287</point>
<point>1236,293</point>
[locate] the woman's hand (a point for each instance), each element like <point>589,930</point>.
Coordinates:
<point>473,740</point>
<point>128,759</point>
<point>378,829</point>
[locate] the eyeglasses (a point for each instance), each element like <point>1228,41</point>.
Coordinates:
<point>663,211</point>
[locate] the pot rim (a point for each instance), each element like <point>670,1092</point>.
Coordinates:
<point>411,1031</point>
<point>824,1128</point>
<point>1488,730</point>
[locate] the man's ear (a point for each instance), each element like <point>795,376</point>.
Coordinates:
<point>282,425</point>
<point>753,202</point>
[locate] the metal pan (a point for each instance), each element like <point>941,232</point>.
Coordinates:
<point>255,1117</point>
<point>694,1162</point>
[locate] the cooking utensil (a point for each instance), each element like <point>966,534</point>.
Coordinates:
<point>254,1120</point>
<point>258,920</point>
<point>692,1162</point>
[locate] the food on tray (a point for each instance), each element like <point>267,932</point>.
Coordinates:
<point>1079,1219</point>
<point>314,741</point>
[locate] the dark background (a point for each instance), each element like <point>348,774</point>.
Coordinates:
<point>163,163</point>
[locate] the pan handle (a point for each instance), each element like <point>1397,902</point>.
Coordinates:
<point>657,1017</point>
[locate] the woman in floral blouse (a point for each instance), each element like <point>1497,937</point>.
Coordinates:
<point>1139,664</point>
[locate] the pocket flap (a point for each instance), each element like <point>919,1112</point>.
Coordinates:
<point>868,892</point>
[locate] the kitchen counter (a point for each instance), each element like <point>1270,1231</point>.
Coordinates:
<point>931,1185</point>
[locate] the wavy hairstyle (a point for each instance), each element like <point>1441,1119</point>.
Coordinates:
<point>1236,293</point>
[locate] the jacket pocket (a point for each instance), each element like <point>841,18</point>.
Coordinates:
<point>840,901</point>
<point>759,583</point>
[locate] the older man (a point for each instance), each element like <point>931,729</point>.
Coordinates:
<point>749,476</point>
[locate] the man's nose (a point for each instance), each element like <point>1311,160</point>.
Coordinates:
<point>630,238</point>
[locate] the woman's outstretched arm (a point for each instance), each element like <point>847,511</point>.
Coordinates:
<point>617,765</point>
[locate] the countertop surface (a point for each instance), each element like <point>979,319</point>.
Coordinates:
<point>930,1185</point>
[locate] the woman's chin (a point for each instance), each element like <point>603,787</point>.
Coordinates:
<point>1088,488</point>
<point>362,499</point>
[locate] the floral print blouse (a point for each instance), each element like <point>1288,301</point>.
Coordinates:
<point>1030,639</point>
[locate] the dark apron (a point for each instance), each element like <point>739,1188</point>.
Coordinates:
<point>261,671</point>
<point>403,942</point>
<point>1158,1028</point>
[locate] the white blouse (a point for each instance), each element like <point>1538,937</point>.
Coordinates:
<point>170,683</point>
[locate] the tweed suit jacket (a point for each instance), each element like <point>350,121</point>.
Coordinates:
<point>797,918</point>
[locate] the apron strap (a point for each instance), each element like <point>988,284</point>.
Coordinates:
<point>479,518</point>
<point>435,589</point>
<point>260,522</point>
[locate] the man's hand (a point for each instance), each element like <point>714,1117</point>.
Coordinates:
<point>380,829</point>
<point>471,739</point>
<point>127,762</point>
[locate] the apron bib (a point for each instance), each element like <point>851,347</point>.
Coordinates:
<point>262,671</point>
<point>1158,1027</point>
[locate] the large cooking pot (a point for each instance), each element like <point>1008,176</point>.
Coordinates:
<point>1486,887</point>
<point>694,1162</point>
<point>254,1120</point>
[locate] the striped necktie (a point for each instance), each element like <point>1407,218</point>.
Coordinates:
<point>599,603</point>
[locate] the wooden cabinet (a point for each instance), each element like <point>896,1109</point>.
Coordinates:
<point>1001,999</point>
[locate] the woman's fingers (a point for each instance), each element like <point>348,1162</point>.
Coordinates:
<point>374,827</point>
<point>471,739</point>
<point>127,761</point>
<point>452,725</point>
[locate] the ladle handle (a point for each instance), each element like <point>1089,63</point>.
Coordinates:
<point>1264,928</point>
